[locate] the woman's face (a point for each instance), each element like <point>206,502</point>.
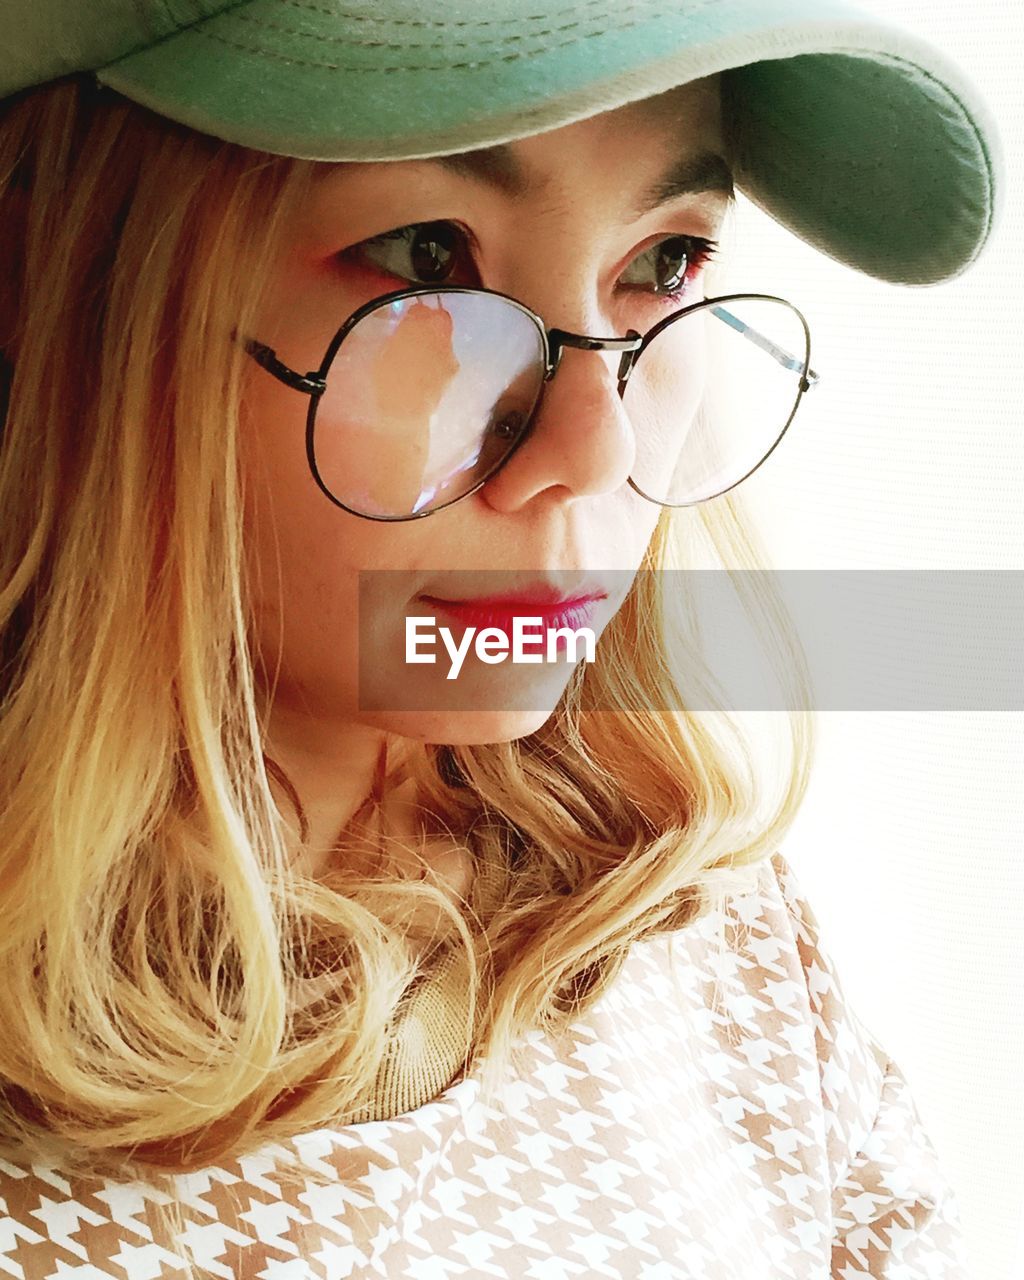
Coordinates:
<point>577,245</point>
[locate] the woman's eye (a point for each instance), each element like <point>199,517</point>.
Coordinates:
<point>422,253</point>
<point>435,252</point>
<point>673,262</point>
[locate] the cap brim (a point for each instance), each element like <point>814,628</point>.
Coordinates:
<point>860,137</point>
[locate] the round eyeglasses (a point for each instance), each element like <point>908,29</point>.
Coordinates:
<point>423,394</point>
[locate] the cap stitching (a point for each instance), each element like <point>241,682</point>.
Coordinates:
<point>439,66</point>
<point>427,22</point>
<point>178,29</point>
<point>378,70</point>
<point>384,44</point>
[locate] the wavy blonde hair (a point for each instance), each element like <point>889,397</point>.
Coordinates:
<point>176,994</point>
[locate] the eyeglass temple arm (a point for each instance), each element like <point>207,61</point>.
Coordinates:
<point>311,383</point>
<point>784,357</point>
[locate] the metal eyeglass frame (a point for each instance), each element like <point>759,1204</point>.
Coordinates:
<point>554,341</point>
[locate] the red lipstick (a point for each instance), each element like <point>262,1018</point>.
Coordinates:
<point>553,609</point>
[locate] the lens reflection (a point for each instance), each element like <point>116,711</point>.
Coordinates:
<point>425,397</point>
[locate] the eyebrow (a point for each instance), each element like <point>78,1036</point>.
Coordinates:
<point>687,175</point>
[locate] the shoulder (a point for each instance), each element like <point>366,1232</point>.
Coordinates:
<point>765,991</point>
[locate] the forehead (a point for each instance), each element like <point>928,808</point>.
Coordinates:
<point>687,112</point>
<point>683,126</point>
<point>650,151</point>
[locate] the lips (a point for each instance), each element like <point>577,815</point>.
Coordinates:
<point>502,611</point>
<point>537,593</point>
<point>537,600</point>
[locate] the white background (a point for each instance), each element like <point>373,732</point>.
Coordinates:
<point>910,455</point>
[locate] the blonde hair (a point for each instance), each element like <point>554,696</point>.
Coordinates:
<point>176,994</point>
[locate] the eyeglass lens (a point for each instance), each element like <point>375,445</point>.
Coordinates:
<point>427,395</point>
<point>425,398</point>
<point>711,395</point>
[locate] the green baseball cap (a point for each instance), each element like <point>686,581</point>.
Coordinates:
<point>860,137</point>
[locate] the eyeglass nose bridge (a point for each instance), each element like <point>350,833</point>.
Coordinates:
<point>559,339</point>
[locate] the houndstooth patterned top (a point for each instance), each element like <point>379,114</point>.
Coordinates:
<point>718,1114</point>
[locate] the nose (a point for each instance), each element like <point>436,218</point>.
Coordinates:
<point>580,442</point>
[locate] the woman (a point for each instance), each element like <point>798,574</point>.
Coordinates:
<point>319,962</point>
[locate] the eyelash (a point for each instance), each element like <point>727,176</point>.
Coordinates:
<point>700,251</point>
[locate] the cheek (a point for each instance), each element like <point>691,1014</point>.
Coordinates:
<point>304,558</point>
<point>624,530</point>
<point>302,554</point>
